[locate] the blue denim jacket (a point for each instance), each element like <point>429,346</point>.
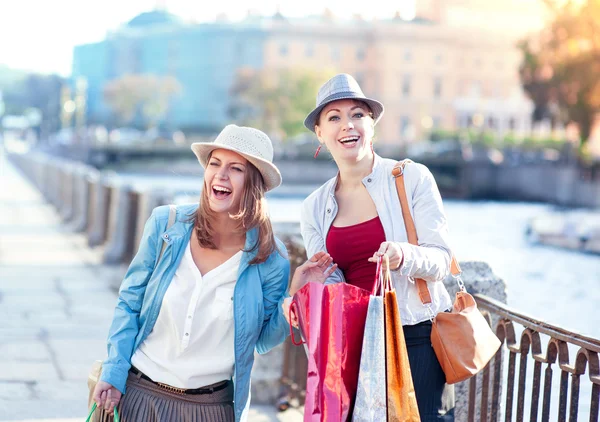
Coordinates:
<point>259,292</point>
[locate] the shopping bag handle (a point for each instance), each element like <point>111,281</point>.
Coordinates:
<point>292,328</point>
<point>89,418</point>
<point>378,286</point>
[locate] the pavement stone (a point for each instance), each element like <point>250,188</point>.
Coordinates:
<point>56,304</point>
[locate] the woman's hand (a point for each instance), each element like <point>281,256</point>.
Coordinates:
<point>393,252</point>
<point>286,312</point>
<point>106,396</point>
<point>317,268</point>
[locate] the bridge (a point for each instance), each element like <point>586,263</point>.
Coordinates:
<point>459,174</point>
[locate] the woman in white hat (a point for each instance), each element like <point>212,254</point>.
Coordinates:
<point>356,217</point>
<point>204,290</point>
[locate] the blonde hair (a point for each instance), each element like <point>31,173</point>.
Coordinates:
<point>252,214</point>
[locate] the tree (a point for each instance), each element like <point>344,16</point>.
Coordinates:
<point>561,65</point>
<point>276,100</point>
<point>148,95</point>
<point>26,91</point>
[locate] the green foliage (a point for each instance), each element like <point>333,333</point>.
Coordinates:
<point>510,140</point>
<point>149,94</point>
<point>22,91</point>
<point>276,100</point>
<point>437,135</point>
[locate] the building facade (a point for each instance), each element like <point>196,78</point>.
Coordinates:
<point>427,72</point>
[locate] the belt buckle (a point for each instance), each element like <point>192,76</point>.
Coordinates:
<point>171,389</point>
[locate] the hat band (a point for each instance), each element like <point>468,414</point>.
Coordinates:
<point>341,95</point>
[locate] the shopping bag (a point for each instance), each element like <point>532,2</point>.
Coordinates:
<point>331,319</point>
<point>371,402</point>
<point>401,397</point>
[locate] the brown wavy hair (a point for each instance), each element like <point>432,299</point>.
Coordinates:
<point>252,214</point>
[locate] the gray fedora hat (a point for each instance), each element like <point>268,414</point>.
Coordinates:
<point>252,144</point>
<point>341,87</point>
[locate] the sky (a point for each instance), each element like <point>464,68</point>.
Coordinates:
<point>39,35</point>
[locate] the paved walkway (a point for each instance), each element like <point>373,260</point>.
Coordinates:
<point>55,310</point>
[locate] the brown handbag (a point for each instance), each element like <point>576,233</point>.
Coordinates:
<point>401,398</point>
<point>463,341</point>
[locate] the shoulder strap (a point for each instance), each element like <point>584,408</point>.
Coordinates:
<point>172,213</point>
<point>411,231</point>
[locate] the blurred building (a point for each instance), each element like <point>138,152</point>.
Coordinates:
<point>203,58</point>
<point>430,72</point>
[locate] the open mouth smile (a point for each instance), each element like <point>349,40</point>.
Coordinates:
<point>349,140</point>
<point>221,192</point>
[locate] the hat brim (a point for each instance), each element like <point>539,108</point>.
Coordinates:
<point>376,107</point>
<point>268,170</point>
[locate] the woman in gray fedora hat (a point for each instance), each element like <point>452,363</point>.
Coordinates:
<point>204,291</point>
<point>356,217</point>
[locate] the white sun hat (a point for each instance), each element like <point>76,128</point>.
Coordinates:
<point>252,144</point>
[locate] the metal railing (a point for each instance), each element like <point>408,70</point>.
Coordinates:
<point>488,407</point>
<point>492,392</point>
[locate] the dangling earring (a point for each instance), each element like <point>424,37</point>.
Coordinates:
<point>373,151</point>
<point>317,152</point>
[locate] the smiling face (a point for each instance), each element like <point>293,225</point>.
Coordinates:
<point>225,180</point>
<point>346,128</point>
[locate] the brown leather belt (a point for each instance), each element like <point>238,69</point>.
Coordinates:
<point>202,390</point>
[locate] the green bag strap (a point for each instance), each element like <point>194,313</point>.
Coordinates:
<point>117,418</point>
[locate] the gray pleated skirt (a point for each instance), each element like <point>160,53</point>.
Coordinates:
<point>144,401</point>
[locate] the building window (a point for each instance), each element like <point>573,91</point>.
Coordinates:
<point>283,50</point>
<point>406,86</point>
<point>465,121</point>
<point>438,58</point>
<point>476,89</point>
<point>310,50</point>
<point>404,125</point>
<point>360,54</point>
<point>491,123</point>
<point>335,53</point>
<point>437,87</point>
<point>512,123</point>
<point>437,122</point>
<point>407,55</point>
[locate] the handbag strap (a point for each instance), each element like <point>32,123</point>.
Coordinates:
<point>172,214</point>
<point>411,231</point>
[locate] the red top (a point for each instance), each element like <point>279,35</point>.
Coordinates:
<point>352,246</point>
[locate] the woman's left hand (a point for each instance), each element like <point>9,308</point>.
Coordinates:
<point>286,312</point>
<point>393,252</point>
<point>317,268</point>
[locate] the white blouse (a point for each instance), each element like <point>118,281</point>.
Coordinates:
<point>192,343</point>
